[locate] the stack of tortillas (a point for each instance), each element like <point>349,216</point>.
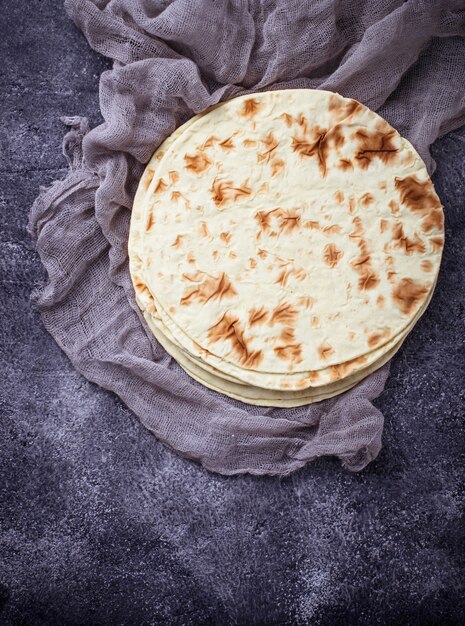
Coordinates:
<point>282,245</point>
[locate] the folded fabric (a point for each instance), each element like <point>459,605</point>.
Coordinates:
<point>172,61</point>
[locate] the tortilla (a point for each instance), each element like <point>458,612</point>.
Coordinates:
<point>266,321</point>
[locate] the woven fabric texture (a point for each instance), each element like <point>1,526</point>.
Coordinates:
<point>171,60</point>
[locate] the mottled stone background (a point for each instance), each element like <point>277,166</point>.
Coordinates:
<point>101,524</point>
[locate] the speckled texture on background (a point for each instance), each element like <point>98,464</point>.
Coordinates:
<point>101,524</point>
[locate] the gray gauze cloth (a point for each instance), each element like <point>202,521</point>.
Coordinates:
<point>171,60</point>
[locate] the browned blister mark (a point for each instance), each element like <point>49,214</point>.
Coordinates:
<point>250,108</point>
<point>382,184</point>
<point>191,258</point>
<point>226,237</point>
<point>381,143</point>
<point>332,229</point>
<point>150,221</point>
<point>277,166</point>
<point>227,144</point>
<point>313,146</point>
<point>366,200</point>
<point>433,221</point>
<point>285,274</point>
<point>228,328</point>
<point>173,176</point>
<point>332,255</point>
<point>378,336</point>
<point>262,253</point>
<point>380,301</point>
<point>427,266</point>
<point>249,143</point>
<point>289,219</point>
<point>402,242</point>
<point>437,243</point>
<point>148,177</point>
<point>343,109</point>
<point>204,230</point>
<point>408,294</point>
<point>197,163</point>
<point>325,350</point>
<point>358,231</point>
<point>215,255</point>
<point>352,205</point>
<point>161,186</point>
<point>345,165</point>
<point>418,196</point>
<point>284,313</point>
<point>209,143</point>
<point>394,207</point>
<point>339,197</point>
<point>175,195</point>
<point>232,255</point>
<point>368,280</point>
<point>383,225</point>
<point>225,191</point>
<point>141,288</point>
<point>270,143</point>
<point>207,288</point>
<point>288,349</point>
<point>178,241</point>
<point>391,276</point>
<point>252,263</point>
<point>342,370</point>
<point>312,225</point>
<point>288,119</point>
<point>257,315</point>
<point>306,301</point>
<point>315,321</point>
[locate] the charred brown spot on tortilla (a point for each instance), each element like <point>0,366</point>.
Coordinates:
<point>402,242</point>
<point>433,221</point>
<point>383,225</point>
<point>339,197</point>
<point>316,145</point>
<point>366,200</point>
<point>358,231</point>
<point>270,144</point>
<point>148,177</point>
<point>393,205</point>
<point>345,165</point>
<point>417,195</point>
<point>197,163</point>
<point>160,186</point>
<point>204,229</point>
<point>287,119</point>
<point>332,229</point>
<point>352,205</point>
<point>325,351</point>
<point>289,219</point>
<point>225,191</point>
<point>277,166</point>
<point>226,237</point>
<point>285,274</point>
<point>341,370</point>
<point>252,263</point>
<point>250,107</point>
<point>427,266</point>
<point>249,143</point>
<point>178,241</point>
<point>208,143</point>
<point>207,287</point>
<point>341,109</point>
<point>306,301</point>
<point>173,176</point>
<point>258,315</point>
<point>215,255</point>
<point>380,301</point>
<point>227,144</point>
<point>141,288</point>
<point>368,280</point>
<point>284,314</point>
<point>391,276</point>
<point>290,352</point>
<point>382,184</point>
<point>331,255</point>
<point>228,328</point>
<point>436,243</point>
<point>408,294</point>
<point>175,195</point>
<point>315,321</point>
<point>377,337</point>
<point>381,143</point>
<point>312,225</point>
<point>232,255</point>
<point>150,221</point>
<point>190,258</point>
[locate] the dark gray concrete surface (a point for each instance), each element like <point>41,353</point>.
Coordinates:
<point>101,524</point>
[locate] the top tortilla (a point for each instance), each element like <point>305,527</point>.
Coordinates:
<point>290,231</point>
